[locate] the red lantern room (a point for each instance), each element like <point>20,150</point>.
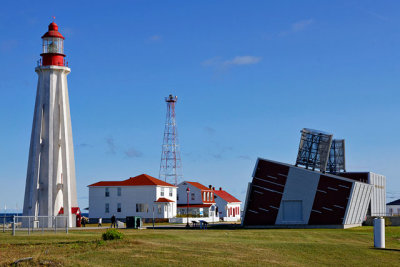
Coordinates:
<point>53,47</point>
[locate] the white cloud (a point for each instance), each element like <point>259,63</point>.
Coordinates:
<point>243,60</point>
<point>301,25</point>
<point>298,26</point>
<point>238,60</point>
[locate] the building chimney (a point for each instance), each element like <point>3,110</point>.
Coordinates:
<point>213,188</point>
<point>220,189</point>
<point>209,186</point>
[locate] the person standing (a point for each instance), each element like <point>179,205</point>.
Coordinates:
<point>100,222</point>
<point>113,221</point>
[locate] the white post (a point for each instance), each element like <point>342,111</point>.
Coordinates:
<point>379,232</point>
<point>13,226</point>
<point>153,216</point>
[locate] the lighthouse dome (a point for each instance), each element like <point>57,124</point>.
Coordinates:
<point>53,31</point>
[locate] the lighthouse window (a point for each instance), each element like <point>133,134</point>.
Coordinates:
<point>53,45</point>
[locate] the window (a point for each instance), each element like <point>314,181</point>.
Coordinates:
<point>119,207</point>
<point>142,207</point>
<point>159,209</point>
<point>192,196</point>
<point>107,208</point>
<point>107,192</point>
<point>119,191</point>
<point>170,192</point>
<point>204,196</point>
<point>208,196</point>
<point>162,191</point>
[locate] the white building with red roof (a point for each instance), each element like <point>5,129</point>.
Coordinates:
<point>136,196</point>
<point>228,205</point>
<point>200,203</point>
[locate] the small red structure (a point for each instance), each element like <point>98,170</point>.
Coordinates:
<point>76,211</point>
<point>53,47</point>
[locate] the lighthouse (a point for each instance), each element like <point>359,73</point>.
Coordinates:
<point>50,189</point>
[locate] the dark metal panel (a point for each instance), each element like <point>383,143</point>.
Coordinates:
<point>266,193</point>
<point>330,201</point>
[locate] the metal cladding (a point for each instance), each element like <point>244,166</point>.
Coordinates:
<point>171,165</point>
<point>314,149</point>
<point>337,159</point>
<point>283,194</point>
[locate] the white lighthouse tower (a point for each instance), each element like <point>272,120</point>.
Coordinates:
<point>50,182</point>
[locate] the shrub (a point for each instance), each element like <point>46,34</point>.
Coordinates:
<point>112,234</point>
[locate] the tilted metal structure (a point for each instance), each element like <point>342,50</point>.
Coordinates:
<point>337,159</point>
<point>171,165</point>
<point>314,149</point>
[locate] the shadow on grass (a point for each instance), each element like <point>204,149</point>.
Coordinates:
<point>209,227</point>
<point>386,249</point>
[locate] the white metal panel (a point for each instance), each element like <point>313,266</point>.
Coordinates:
<point>359,199</point>
<point>301,185</point>
<point>378,198</point>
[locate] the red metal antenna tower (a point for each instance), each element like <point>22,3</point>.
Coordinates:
<point>171,165</point>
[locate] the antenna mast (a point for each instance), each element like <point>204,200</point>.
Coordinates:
<point>171,165</point>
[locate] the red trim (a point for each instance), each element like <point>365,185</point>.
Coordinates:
<point>163,199</point>
<point>139,180</point>
<point>199,185</point>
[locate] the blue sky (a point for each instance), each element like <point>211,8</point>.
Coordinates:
<point>249,76</point>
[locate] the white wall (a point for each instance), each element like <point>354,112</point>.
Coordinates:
<point>223,207</point>
<point>130,196</point>
<point>183,194</point>
<point>378,197</point>
<point>360,197</point>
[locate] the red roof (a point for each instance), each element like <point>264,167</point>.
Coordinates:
<point>198,185</point>
<point>139,180</point>
<point>194,205</point>
<point>163,199</point>
<point>226,196</point>
<point>53,31</point>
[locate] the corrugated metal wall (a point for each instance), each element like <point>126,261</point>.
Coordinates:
<point>378,198</point>
<point>357,208</point>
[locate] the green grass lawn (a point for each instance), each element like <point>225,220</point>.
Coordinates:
<point>294,247</point>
